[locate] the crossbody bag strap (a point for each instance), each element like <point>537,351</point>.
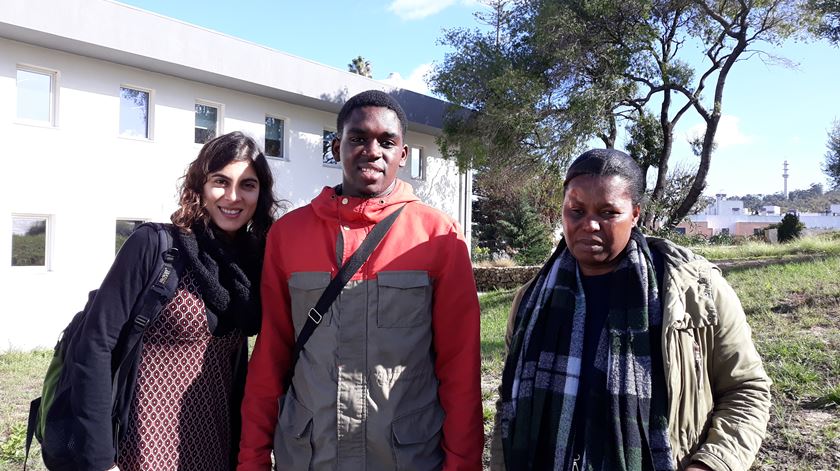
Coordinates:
<point>359,257</point>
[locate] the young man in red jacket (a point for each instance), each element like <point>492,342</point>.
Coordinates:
<point>390,378</point>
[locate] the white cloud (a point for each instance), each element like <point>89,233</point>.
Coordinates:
<point>415,81</point>
<point>728,132</point>
<point>418,9</point>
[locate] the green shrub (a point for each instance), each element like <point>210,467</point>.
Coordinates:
<point>692,240</point>
<point>790,228</point>
<point>532,238</point>
<point>480,254</point>
<point>12,447</point>
<point>721,239</point>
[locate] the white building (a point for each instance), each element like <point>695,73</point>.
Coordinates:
<point>739,223</point>
<point>724,207</point>
<point>102,104</point>
<point>771,210</point>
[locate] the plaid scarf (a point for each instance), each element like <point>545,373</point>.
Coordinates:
<point>625,429</point>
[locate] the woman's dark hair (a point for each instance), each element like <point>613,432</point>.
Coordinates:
<point>214,156</point>
<point>606,163</point>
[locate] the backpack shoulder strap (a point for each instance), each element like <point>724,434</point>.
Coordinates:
<point>157,292</point>
<point>31,424</point>
<point>165,282</point>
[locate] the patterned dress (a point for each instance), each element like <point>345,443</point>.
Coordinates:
<point>180,416</point>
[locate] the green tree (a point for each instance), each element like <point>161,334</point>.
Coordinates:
<point>645,142</point>
<point>828,17</point>
<point>360,66</point>
<point>506,220</point>
<point>790,228</point>
<point>546,76</point>
<point>37,228</point>
<point>831,166</point>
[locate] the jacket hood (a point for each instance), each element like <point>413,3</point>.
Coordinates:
<point>329,205</point>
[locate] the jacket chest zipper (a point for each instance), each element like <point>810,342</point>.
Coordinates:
<point>698,362</point>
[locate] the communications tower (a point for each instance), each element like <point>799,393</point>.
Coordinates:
<point>785,176</point>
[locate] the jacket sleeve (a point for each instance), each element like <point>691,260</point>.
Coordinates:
<point>497,452</point>
<point>268,365</point>
<point>455,325</point>
<point>90,357</point>
<point>740,386</point>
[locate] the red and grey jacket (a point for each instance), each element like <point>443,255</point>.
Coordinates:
<point>391,377</point>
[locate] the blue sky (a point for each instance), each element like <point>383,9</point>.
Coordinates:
<point>771,113</point>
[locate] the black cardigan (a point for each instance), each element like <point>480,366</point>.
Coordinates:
<point>91,358</point>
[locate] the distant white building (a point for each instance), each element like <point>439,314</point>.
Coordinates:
<point>724,207</point>
<point>771,210</point>
<point>729,217</point>
<point>103,106</point>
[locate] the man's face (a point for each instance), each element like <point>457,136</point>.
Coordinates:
<point>370,150</point>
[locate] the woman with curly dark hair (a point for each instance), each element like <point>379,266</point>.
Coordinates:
<point>190,369</point>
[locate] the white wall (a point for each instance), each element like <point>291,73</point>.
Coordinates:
<point>718,222</point>
<point>85,176</point>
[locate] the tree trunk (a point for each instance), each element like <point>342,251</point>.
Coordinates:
<point>699,183</point>
<point>712,122</point>
<point>667,145</point>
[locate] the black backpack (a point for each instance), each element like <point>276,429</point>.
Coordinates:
<point>51,416</point>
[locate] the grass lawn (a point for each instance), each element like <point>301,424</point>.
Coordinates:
<point>794,310</point>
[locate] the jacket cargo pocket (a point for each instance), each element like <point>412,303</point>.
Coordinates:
<point>293,435</point>
<point>405,299</point>
<point>304,290</point>
<point>417,439</point>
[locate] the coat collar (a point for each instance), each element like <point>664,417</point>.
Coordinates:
<point>350,210</point>
<point>687,295</point>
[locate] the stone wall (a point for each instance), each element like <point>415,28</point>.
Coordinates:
<point>490,278</point>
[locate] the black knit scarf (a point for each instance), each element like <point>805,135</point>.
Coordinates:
<point>228,275</point>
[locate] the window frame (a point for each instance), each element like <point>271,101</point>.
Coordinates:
<point>326,129</point>
<point>422,162</point>
<point>54,90</point>
<point>220,117</point>
<point>284,146</point>
<point>48,242</point>
<point>150,115</point>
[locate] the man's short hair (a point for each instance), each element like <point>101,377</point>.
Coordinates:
<point>370,98</point>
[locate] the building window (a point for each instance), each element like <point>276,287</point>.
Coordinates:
<point>206,122</point>
<point>327,148</point>
<point>274,132</point>
<point>134,113</point>
<point>36,92</point>
<point>29,241</point>
<point>124,228</point>
<point>418,163</point>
